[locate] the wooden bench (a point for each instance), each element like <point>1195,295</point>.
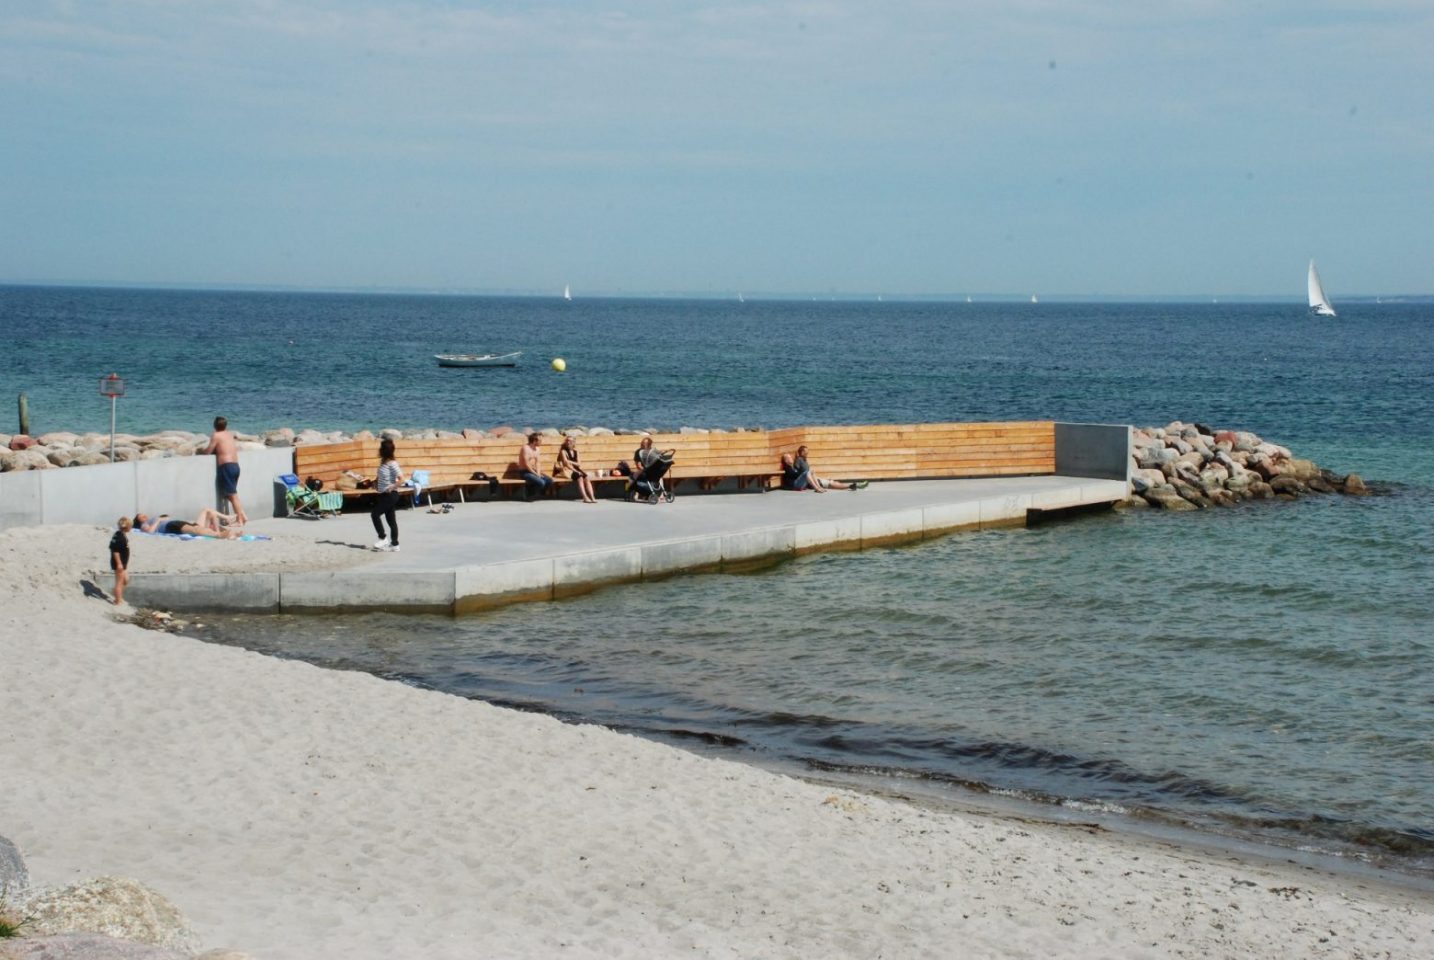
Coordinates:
<point>447,465</point>
<point>878,452</point>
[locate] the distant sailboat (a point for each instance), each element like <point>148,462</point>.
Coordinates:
<point>567,292</point>
<point>740,298</point>
<point>968,299</point>
<point>1319,303</point>
<point>1033,299</point>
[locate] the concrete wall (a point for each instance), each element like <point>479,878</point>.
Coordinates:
<point>180,486</point>
<point>1100,451</point>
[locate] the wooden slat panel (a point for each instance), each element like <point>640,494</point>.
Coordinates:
<point>891,451</point>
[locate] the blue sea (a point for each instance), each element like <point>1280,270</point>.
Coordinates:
<point>1256,674</point>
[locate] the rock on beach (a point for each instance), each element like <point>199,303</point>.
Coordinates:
<point>14,877</point>
<point>112,907</point>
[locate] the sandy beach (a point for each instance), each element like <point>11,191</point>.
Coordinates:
<point>296,812</point>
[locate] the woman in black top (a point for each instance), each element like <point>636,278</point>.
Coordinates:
<point>568,462</point>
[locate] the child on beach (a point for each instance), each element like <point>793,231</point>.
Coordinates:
<point>119,558</point>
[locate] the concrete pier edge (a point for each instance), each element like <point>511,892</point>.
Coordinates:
<point>473,588</point>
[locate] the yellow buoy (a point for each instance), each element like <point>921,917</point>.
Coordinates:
<point>559,364</point>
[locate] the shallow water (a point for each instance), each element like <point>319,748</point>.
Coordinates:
<point>1261,671</point>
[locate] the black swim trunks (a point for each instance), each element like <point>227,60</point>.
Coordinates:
<point>174,526</point>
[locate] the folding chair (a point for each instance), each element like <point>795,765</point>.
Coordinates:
<point>303,502</point>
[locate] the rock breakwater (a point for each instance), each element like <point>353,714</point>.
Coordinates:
<point>1189,466</point>
<point>64,449</point>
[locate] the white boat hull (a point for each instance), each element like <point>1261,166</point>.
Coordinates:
<point>477,359</point>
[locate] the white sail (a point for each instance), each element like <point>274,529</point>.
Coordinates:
<point>567,291</point>
<point>1319,304</point>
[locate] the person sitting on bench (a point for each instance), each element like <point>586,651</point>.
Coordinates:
<point>530,467</point>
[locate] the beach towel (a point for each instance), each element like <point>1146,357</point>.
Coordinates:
<point>195,536</point>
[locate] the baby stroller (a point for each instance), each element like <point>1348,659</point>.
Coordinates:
<point>647,482</point>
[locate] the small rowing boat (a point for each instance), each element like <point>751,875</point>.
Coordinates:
<point>478,359</point>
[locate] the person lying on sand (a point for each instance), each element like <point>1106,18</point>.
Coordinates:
<point>210,523</point>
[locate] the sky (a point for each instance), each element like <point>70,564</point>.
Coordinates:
<point>1125,148</point>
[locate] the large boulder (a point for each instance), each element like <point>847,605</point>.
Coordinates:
<point>15,460</point>
<point>1354,484</point>
<point>1143,480</point>
<point>14,877</point>
<point>1267,468</point>
<point>1214,475</point>
<point>1166,498</point>
<point>1288,486</point>
<point>83,946</point>
<point>1191,492</point>
<point>1150,458</point>
<point>21,442</point>
<point>114,907</point>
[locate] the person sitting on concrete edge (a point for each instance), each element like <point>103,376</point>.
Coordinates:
<point>797,475</point>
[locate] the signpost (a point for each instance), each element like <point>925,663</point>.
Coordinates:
<point>112,387</point>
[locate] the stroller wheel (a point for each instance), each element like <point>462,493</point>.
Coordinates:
<point>670,497</point>
<point>654,498</point>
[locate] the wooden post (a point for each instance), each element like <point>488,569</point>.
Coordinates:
<point>24,415</point>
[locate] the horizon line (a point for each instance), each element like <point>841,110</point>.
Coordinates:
<point>857,296</point>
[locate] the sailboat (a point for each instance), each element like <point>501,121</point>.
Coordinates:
<point>1319,304</point>
<point>1033,299</point>
<point>567,292</point>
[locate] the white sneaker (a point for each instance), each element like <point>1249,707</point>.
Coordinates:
<point>393,549</point>
<point>381,544</point>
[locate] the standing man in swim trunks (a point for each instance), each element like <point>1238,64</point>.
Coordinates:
<point>226,472</point>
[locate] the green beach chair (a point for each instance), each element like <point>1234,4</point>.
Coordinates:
<point>306,503</point>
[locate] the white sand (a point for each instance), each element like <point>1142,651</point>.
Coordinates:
<point>294,812</point>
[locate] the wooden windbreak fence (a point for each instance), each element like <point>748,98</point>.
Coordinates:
<point>877,452</point>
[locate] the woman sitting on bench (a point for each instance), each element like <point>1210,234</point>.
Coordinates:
<point>567,463</point>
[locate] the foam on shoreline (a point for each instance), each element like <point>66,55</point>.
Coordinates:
<point>293,811</point>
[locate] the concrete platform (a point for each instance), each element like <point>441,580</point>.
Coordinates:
<point>487,554</point>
